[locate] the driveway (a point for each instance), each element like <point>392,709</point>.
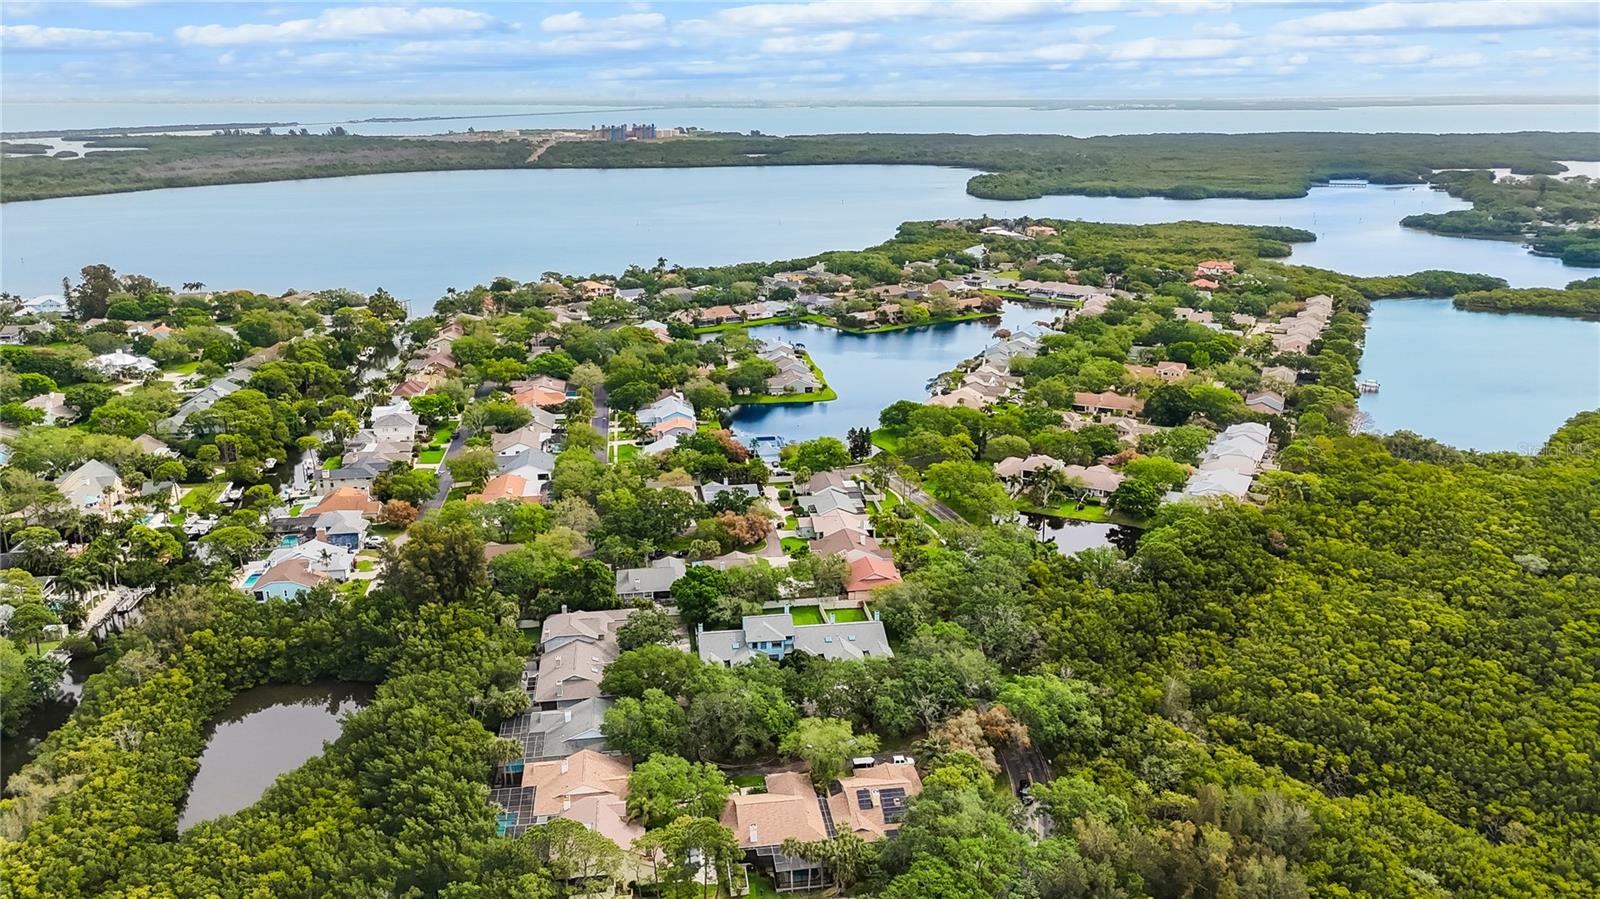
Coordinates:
<point>602,422</point>
<point>445,481</point>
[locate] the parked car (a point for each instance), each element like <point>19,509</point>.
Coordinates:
<point>904,760</point>
<point>374,541</point>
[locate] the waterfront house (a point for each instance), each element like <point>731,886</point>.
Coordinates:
<point>1280,374</point>
<point>716,315</point>
<point>1095,480</point>
<point>199,402</point>
<point>1212,267</point>
<point>353,474</point>
<point>793,382</point>
<point>1017,468</point>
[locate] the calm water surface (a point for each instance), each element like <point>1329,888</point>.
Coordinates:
<point>49,715</point>
<point>814,119</point>
<point>871,371</point>
<point>419,233</point>
<point>1072,536</point>
<point>265,732</point>
<point>1478,380</point>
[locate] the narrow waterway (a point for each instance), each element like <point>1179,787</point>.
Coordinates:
<point>18,750</point>
<point>265,732</point>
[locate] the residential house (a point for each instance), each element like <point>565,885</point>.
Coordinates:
<point>1017,468</point>
<point>762,822</point>
<point>1171,371</point>
<point>668,441</point>
<point>1039,231</point>
<point>120,365</point>
<point>1217,482</point>
<point>669,404</point>
<point>287,580</point>
<point>542,391</point>
<point>200,401</point>
<point>354,474</point>
<point>868,572</point>
<point>45,305</point>
<point>848,544</point>
<point>559,785</point>
<point>394,423</point>
<point>659,329</point>
<point>826,523</point>
<point>1214,267</point>
<point>512,443</point>
<point>151,446</point>
<point>793,382</point>
<point>710,491</point>
<point>965,397</point>
<point>675,424</point>
<point>53,405</point>
<point>1280,374</point>
<point>831,499</point>
<point>653,582</point>
<point>1096,480</point>
<point>571,672</point>
<point>345,499</point>
<point>631,294</point>
<point>1107,403</point>
<point>342,528</point>
<point>559,733</point>
<point>407,389</point>
<point>1205,284</point>
<point>93,486</point>
<point>1265,401</point>
<point>716,315</point>
<point>590,290</point>
<point>775,635</point>
<point>566,627</point>
<point>871,802</point>
<point>508,486</point>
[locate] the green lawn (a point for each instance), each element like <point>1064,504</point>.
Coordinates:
<point>887,439</point>
<point>1090,512</point>
<point>201,495</point>
<point>330,464</point>
<point>890,501</point>
<point>365,564</point>
<point>1009,273</point>
<point>750,780</point>
<point>444,432</point>
<point>816,396</point>
<point>806,614</point>
<point>386,531</point>
<point>790,522</point>
<point>430,457</point>
<point>845,616</point>
<point>793,545</point>
<point>182,368</point>
<point>626,451</point>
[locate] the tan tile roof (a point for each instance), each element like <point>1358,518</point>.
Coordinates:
<point>788,809</point>
<point>560,784</point>
<point>346,499</point>
<point>869,823</point>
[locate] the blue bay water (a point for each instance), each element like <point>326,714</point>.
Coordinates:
<point>1477,380</point>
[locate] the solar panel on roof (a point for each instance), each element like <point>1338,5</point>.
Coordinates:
<point>864,798</point>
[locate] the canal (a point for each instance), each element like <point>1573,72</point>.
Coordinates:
<point>265,732</point>
<point>46,717</point>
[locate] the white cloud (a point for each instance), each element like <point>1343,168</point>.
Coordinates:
<point>37,37</point>
<point>576,21</point>
<point>1462,15</point>
<point>1162,48</point>
<point>1218,29</point>
<point>858,12</point>
<point>1090,32</point>
<point>1418,55</point>
<point>810,44</point>
<point>342,24</point>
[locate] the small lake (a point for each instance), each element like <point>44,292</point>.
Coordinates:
<point>1477,380</point>
<point>1072,536</point>
<point>265,732</point>
<point>419,233</point>
<point>46,717</point>
<point>871,371</point>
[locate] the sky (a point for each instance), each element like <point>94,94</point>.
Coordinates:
<point>857,50</point>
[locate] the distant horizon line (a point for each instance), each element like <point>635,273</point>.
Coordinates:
<point>1107,103</point>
